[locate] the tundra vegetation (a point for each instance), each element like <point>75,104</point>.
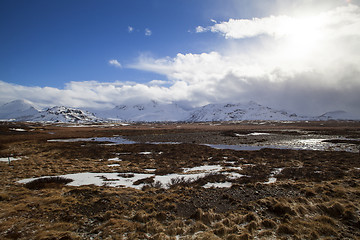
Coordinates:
<point>271,193</point>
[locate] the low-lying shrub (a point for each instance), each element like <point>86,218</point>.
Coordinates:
<point>126,175</point>
<point>179,181</point>
<point>41,183</point>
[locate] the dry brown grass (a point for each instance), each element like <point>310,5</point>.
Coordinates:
<point>301,205</point>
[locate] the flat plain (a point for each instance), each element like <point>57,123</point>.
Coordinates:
<point>225,180</point>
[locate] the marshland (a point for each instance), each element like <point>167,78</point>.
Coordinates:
<point>224,180</point>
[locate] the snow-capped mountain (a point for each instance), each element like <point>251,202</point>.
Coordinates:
<point>237,112</point>
<point>64,114</point>
<point>22,110</point>
<point>18,109</point>
<point>149,112</point>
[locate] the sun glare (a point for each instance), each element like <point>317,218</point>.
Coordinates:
<point>302,36</point>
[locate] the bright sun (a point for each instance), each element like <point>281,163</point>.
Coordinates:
<point>302,36</point>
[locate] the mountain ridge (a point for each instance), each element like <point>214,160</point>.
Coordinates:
<point>153,111</point>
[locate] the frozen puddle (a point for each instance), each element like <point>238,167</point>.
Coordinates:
<point>130,179</point>
<point>101,179</point>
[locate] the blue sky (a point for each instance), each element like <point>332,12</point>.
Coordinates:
<point>300,55</point>
<point>49,43</point>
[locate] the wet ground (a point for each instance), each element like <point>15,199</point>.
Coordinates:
<point>245,180</point>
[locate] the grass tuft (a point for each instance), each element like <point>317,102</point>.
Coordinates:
<point>47,182</point>
<point>268,223</point>
<point>285,229</point>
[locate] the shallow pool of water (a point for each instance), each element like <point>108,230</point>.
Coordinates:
<point>316,144</point>
<point>114,140</point>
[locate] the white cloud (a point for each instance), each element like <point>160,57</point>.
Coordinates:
<point>200,29</point>
<point>309,64</point>
<point>130,29</point>
<point>148,32</point>
<point>158,82</point>
<point>282,26</point>
<point>115,63</point>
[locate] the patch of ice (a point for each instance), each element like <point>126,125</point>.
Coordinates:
<point>257,134</point>
<point>128,179</point>
<point>17,129</point>
<point>6,159</point>
<point>218,185</point>
<point>115,159</point>
<point>232,175</point>
<point>100,179</point>
<point>166,179</point>
<point>145,153</point>
<point>205,168</point>
<point>249,164</point>
<point>114,165</point>
<point>273,179</point>
<point>235,168</point>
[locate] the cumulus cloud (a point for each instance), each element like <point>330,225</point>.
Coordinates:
<point>90,94</point>
<point>148,32</point>
<point>115,63</point>
<point>345,18</point>
<point>308,64</point>
<point>130,29</point>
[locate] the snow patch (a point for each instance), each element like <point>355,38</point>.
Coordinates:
<point>114,165</point>
<point>273,179</point>
<point>115,159</point>
<point>18,129</point>
<point>6,159</point>
<point>218,185</point>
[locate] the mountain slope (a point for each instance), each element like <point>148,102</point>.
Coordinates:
<point>64,114</point>
<point>148,112</point>
<point>18,109</point>
<point>22,110</point>
<point>237,112</point>
<point>337,115</point>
